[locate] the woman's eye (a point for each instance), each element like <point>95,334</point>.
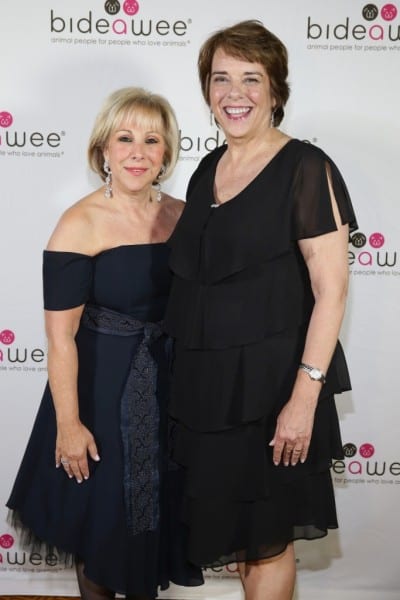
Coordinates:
<point>219,79</point>
<point>251,80</point>
<point>124,138</point>
<point>152,140</point>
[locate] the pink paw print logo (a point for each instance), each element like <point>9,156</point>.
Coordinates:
<point>6,541</point>
<point>367,450</point>
<point>130,7</point>
<point>7,337</point>
<point>6,119</point>
<point>389,12</point>
<point>376,240</point>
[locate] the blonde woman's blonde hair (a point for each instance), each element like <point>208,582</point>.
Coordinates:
<point>145,109</point>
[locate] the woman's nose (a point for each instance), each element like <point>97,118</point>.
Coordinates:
<point>137,151</point>
<point>236,89</point>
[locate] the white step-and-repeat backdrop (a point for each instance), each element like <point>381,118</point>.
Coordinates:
<point>59,60</point>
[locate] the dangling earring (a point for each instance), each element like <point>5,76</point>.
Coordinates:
<point>158,191</point>
<point>157,185</point>
<point>272,121</point>
<point>211,118</point>
<point>108,189</point>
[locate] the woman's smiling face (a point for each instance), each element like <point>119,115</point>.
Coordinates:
<point>135,154</point>
<point>240,96</point>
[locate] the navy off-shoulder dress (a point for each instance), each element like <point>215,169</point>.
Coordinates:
<point>239,309</point>
<point>124,522</point>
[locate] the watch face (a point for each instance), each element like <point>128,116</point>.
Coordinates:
<point>315,374</point>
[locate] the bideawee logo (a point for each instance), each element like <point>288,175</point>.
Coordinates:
<point>17,358</point>
<point>120,23</point>
<point>12,559</point>
<point>362,465</point>
<point>369,255</point>
<point>374,28</point>
<point>15,141</point>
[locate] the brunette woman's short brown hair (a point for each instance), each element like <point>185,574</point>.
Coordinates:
<point>250,41</point>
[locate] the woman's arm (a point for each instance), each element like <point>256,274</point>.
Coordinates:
<point>327,263</point>
<point>74,441</point>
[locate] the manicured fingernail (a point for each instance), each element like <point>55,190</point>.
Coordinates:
<point>276,463</point>
<point>302,460</point>
<point>286,464</point>
<point>97,457</point>
<point>79,480</point>
<point>86,477</point>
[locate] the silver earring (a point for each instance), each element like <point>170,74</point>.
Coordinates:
<point>158,184</point>
<point>272,121</point>
<point>108,189</point>
<point>158,191</point>
<point>211,118</point>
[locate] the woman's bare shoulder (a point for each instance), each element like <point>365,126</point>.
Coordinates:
<point>75,229</point>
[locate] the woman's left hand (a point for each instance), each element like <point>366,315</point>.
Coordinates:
<point>293,431</point>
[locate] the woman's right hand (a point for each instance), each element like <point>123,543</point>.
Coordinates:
<point>74,443</point>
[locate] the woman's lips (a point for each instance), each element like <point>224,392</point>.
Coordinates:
<point>237,112</point>
<point>136,170</point>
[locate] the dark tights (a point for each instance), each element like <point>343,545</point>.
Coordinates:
<point>88,589</point>
<point>92,591</point>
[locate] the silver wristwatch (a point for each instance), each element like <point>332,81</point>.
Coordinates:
<point>314,373</point>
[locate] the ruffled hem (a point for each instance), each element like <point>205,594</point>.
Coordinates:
<point>239,505</point>
<point>216,390</point>
<point>225,532</point>
<point>178,570</point>
<point>30,542</point>
<point>236,464</point>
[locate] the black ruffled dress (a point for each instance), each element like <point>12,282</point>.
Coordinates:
<point>124,522</point>
<point>239,309</point>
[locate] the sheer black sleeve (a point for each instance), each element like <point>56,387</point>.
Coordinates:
<point>312,208</point>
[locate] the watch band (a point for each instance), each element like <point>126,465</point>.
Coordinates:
<point>314,373</point>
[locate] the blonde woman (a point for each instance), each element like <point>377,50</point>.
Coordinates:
<point>95,481</point>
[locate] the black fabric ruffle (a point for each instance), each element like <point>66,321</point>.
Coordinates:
<point>239,506</point>
<point>238,270</point>
<point>288,200</point>
<point>219,389</point>
<point>260,301</point>
<point>225,532</point>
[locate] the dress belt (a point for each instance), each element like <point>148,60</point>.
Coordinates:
<point>139,416</point>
